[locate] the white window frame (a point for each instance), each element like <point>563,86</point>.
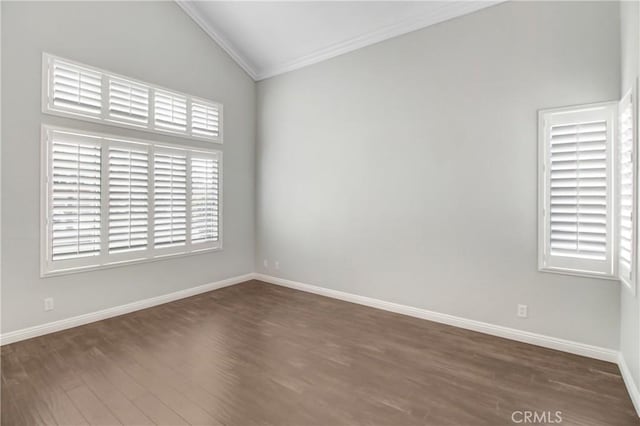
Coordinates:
<point>49,108</point>
<point>105,260</point>
<point>606,269</point>
<point>630,98</point>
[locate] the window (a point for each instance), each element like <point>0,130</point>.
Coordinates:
<point>79,91</point>
<point>170,186</point>
<point>128,101</point>
<point>128,203</point>
<point>75,89</point>
<point>205,119</point>
<point>75,201</point>
<point>109,200</point>
<point>627,194</point>
<point>171,111</point>
<point>576,220</point>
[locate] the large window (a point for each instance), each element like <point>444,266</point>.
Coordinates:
<point>576,190</point>
<point>108,200</point>
<point>80,91</point>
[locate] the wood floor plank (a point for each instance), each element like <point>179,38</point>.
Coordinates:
<point>91,407</point>
<point>258,354</point>
<point>122,408</point>
<point>157,411</point>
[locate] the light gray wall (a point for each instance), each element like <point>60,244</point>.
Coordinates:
<point>151,41</point>
<point>406,171</point>
<point>629,310</point>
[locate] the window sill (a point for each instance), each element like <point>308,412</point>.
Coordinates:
<point>69,271</point>
<point>577,273</point>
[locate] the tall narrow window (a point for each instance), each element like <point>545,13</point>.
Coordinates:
<point>204,198</point>
<point>128,198</point>
<point>170,211</point>
<point>74,199</point>
<point>576,190</point>
<point>627,197</point>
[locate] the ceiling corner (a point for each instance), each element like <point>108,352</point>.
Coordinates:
<point>188,7</point>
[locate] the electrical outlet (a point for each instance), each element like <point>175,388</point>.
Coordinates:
<point>48,304</point>
<point>276,264</point>
<point>265,263</point>
<point>523,311</point>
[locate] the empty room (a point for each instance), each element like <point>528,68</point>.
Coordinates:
<point>319,213</point>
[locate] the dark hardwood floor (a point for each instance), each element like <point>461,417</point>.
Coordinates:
<point>260,354</point>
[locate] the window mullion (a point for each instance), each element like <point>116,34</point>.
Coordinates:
<point>106,93</point>
<point>188,199</point>
<point>189,116</point>
<point>151,202</point>
<point>104,201</point>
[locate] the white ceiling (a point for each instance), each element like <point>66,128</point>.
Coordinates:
<point>272,37</point>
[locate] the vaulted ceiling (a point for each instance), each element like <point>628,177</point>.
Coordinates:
<point>268,38</point>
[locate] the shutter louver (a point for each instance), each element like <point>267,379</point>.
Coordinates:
<point>75,197</point>
<point>578,190</point>
<point>170,111</point>
<point>76,88</point>
<point>205,119</point>
<point>170,190</point>
<point>627,180</point>
<point>204,199</point>
<point>128,199</point>
<point>128,101</point>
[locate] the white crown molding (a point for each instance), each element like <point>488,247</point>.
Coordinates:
<point>550,342</point>
<point>445,12</point>
<point>191,11</point>
<point>52,327</point>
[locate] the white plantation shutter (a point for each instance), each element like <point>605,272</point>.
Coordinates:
<point>128,101</point>
<point>205,119</point>
<point>579,186</point>
<point>110,200</point>
<point>88,93</point>
<point>75,88</point>
<point>128,198</point>
<point>170,198</point>
<point>204,198</point>
<point>577,190</point>
<point>170,111</point>
<point>627,195</point>
<point>74,215</point>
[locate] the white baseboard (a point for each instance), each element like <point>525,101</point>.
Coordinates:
<point>52,327</point>
<point>482,327</point>
<point>632,388</point>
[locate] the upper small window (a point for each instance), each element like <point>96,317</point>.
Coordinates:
<point>205,119</point>
<point>75,89</point>
<point>170,111</point>
<point>128,101</point>
<point>576,190</point>
<point>88,93</point>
